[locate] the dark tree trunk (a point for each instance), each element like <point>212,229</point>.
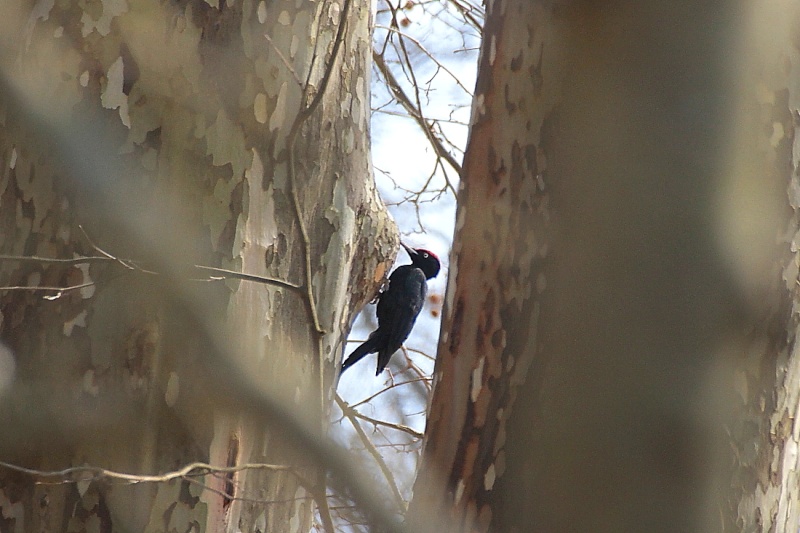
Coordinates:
<point>615,318</point>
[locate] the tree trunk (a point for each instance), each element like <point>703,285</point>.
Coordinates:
<point>615,319</point>
<point>168,135</point>
<point>763,430</point>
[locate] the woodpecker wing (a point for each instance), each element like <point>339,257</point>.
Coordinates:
<point>398,308</point>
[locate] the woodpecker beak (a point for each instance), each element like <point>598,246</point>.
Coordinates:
<point>411,252</point>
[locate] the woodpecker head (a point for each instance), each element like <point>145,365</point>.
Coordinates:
<point>424,260</point>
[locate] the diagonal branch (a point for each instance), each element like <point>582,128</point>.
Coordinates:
<point>399,427</point>
<point>387,473</point>
<point>131,264</point>
<point>415,113</point>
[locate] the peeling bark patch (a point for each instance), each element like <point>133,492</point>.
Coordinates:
<point>152,140</point>
<point>455,326</point>
<point>459,492</point>
<point>510,106</point>
<point>12,513</point>
<point>113,96</point>
<point>182,509</point>
<point>173,387</point>
<point>279,112</point>
<point>486,320</point>
<point>140,350</point>
<point>516,62</point>
<point>497,169</point>
<point>7,369</point>
<point>477,380</point>
<point>79,320</point>
<point>298,509</point>
<point>478,111</point>
<point>262,11</point>
<point>90,512</point>
<point>229,484</point>
<point>499,339</point>
<point>130,70</point>
<point>221,50</point>
<point>489,478</point>
<point>218,26</point>
<point>531,161</point>
<point>109,10</point>
<point>276,250</point>
<point>535,73</point>
<point>225,143</point>
<point>260,108</point>
<point>380,272</point>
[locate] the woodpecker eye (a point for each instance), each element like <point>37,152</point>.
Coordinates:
<point>424,255</point>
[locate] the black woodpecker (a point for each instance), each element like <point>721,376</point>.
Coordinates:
<point>398,307</point>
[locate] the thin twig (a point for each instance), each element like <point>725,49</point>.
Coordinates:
<point>187,473</point>
<point>370,447</point>
<point>233,497</point>
<point>285,61</point>
<point>192,469</point>
<point>59,290</point>
<point>466,12</point>
<point>37,259</point>
<point>250,277</point>
<point>406,115</point>
<point>129,266</point>
<point>409,106</point>
<point>393,10</point>
<point>387,389</point>
<point>399,427</point>
<point>321,498</point>
<point>427,53</point>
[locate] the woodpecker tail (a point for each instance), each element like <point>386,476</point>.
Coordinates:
<point>383,359</point>
<point>370,346</point>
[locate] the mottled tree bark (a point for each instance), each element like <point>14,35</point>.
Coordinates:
<point>764,492</point>
<point>231,135</point>
<point>614,348</point>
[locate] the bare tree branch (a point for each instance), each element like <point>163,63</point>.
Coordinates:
<point>412,110</point>
<point>373,451</point>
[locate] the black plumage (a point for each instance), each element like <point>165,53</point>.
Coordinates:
<point>398,308</point>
